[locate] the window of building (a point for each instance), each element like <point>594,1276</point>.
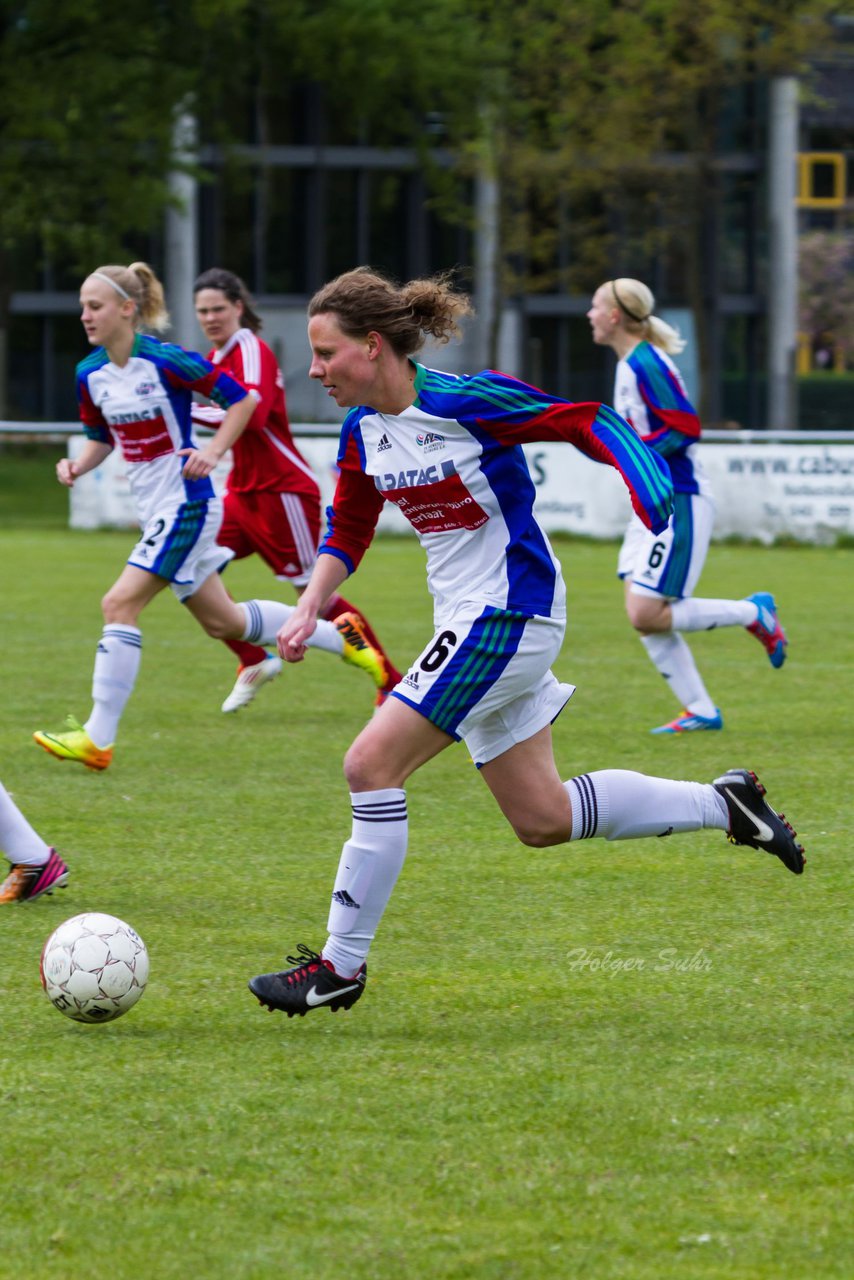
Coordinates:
<point>561,356</point>
<point>737,241</point>
<point>743,382</point>
<point>227,221</point>
<point>390,227</point>
<point>46,350</point>
<point>284,232</point>
<point>25,380</point>
<point>343,213</point>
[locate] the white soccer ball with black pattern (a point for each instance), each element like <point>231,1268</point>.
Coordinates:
<point>94,967</point>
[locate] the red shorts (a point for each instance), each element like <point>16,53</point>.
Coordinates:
<point>282,528</point>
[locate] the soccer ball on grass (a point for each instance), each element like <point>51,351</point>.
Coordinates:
<point>94,967</point>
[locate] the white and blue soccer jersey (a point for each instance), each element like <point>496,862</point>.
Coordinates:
<point>454,466</point>
<point>145,407</point>
<point>650,394</point>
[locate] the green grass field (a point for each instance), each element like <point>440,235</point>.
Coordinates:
<point>603,1060</point>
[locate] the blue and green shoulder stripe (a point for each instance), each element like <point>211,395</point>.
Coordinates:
<point>515,412</point>
<point>673,421</point>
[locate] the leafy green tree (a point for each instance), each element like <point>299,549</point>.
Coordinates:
<point>569,109</point>
<point>88,94</point>
<point>605,115</point>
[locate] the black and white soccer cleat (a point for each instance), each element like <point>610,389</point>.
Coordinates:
<point>753,822</point>
<point>311,984</point>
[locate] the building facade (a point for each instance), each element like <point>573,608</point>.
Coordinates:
<point>290,208</point>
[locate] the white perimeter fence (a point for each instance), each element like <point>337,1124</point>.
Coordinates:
<point>767,484</point>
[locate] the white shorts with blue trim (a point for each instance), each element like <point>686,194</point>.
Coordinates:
<point>179,543</point>
<point>485,678</point>
<point>669,564</point>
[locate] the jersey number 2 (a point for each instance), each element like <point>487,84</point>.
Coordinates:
<point>155,533</point>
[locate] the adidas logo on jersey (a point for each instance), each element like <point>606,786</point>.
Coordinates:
<point>384,444</point>
<point>411,679</point>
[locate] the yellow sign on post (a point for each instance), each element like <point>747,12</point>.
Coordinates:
<point>821,180</point>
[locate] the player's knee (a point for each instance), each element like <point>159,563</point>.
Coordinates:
<point>215,612</point>
<point>117,608</point>
<point>541,835</point>
<point>647,617</point>
<point>634,613</point>
<point>548,824</point>
<point>366,769</point>
<point>217,628</point>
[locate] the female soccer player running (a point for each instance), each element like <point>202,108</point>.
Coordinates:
<point>446,450</point>
<point>271,506</point>
<point>661,569</point>
<point>136,391</point>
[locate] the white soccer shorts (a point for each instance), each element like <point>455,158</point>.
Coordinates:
<point>669,564</point>
<point>485,678</point>
<point>179,544</point>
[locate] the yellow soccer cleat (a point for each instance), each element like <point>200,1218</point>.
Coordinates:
<point>359,651</point>
<point>74,743</point>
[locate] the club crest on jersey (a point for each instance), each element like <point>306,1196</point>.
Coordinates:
<point>144,388</point>
<point>430,441</point>
<point>413,477</point>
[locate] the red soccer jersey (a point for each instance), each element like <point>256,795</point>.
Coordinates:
<point>265,458</point>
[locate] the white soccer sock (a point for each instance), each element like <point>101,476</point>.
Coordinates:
<point>265,618</point>
<point>621,805</point>
<point>705,615</point>
<point>370,864</point>
<point>18,840</point>
<point>116,667</point>
<point>674,660</point>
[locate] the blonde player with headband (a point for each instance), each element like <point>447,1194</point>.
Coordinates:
<point>136,391</point>
<point>661,570</point>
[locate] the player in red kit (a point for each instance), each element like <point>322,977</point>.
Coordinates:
<point>272,501</point>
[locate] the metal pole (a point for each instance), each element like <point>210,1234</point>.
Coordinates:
<point>783,253</point>
<point>485,263</point>
<point>181,234</point>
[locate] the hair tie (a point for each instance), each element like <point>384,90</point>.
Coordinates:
<point>624,308</point>
<point>99,275</point>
